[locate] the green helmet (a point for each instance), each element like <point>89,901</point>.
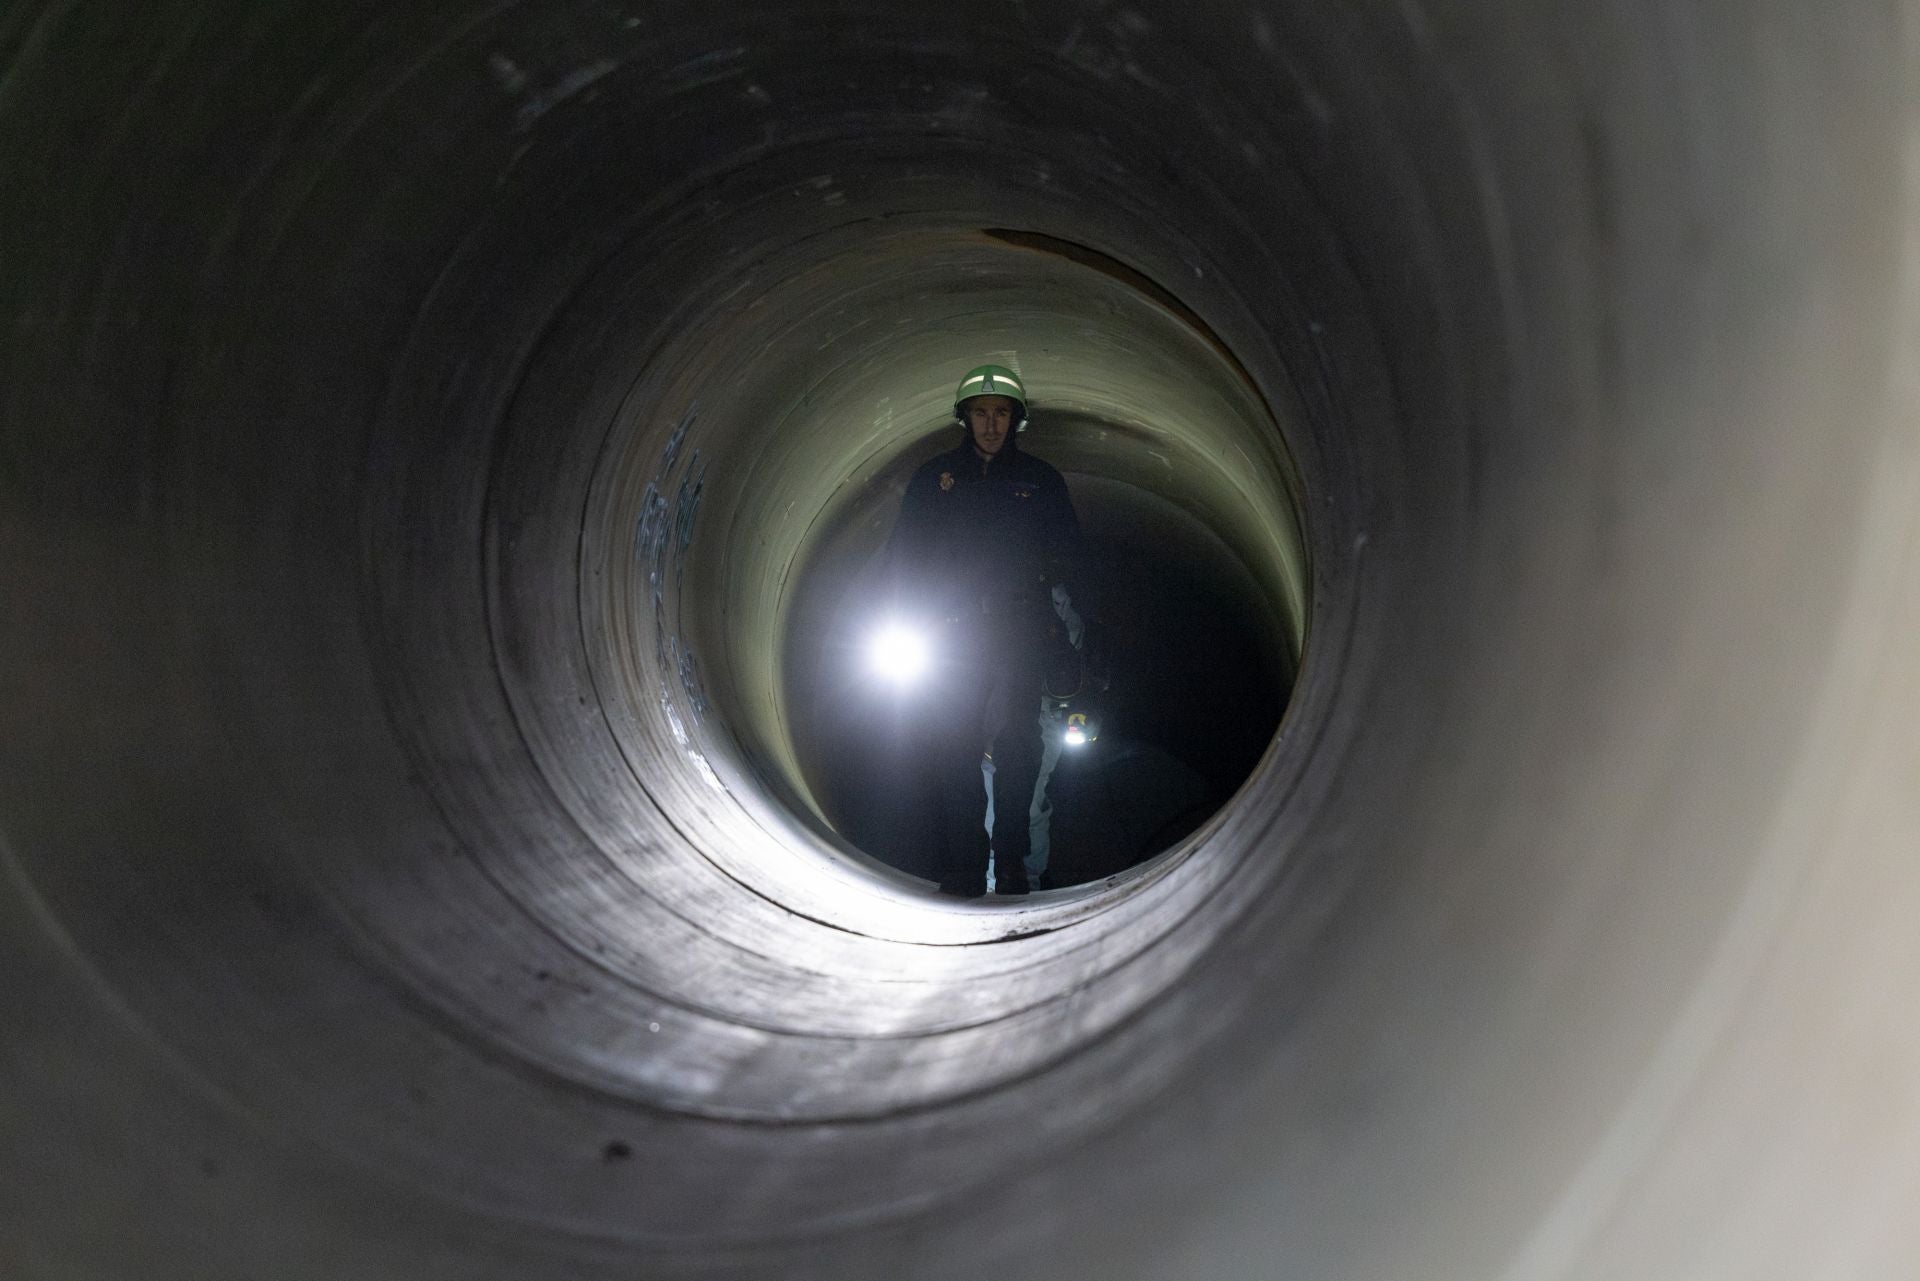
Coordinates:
<point>991,380</point>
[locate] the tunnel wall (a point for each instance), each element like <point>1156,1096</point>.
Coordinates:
<point>373,906</point>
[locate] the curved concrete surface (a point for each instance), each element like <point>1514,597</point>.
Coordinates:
<point>426,425</point>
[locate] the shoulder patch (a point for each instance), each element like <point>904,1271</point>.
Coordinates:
<point>946,481</point>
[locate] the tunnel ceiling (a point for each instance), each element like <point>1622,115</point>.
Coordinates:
<point>421,420</point>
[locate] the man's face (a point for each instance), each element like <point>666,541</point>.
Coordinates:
<point>989,420</point>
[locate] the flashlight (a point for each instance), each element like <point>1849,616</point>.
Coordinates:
<point>899,654</point>
<point>1079,730</point>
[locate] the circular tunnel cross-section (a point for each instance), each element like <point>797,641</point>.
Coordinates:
<point>706,495</point>
<point>444,445</point>
<point>1184,490</point>
<point>735,561</point>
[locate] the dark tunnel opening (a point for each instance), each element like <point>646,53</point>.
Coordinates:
<point>440,442</point>
<point>1195,649</point>
<point>1194,668</point>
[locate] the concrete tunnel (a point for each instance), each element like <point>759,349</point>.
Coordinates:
<point>430,431</point>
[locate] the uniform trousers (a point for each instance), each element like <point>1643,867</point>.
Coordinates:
<point>982,699</point>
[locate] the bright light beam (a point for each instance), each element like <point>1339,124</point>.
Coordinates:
<point>1080,730</point>
<point>899,654</point>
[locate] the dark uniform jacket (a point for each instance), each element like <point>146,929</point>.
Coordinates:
<point>980,537</point>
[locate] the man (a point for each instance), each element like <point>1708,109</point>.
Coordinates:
<point>985,533</point>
